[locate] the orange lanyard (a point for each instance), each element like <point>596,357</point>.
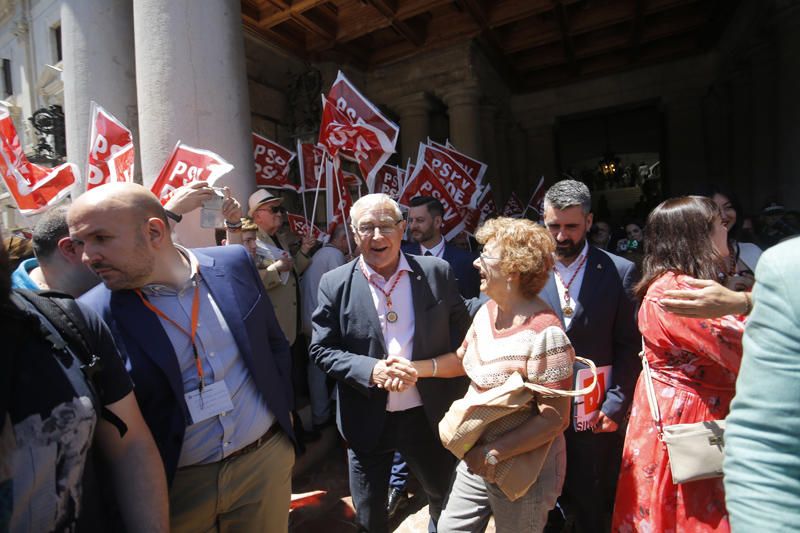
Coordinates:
<point>191,334</point>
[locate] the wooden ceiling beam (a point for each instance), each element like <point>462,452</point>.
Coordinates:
<point>566,37</point>
<point>291,11</point>
<point>388,8</point>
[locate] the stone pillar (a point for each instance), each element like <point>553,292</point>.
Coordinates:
<point>464,112</point>
<point>97,42</point>
<point>488,130</point>
<point>192,87</point>
<point>414,111</point>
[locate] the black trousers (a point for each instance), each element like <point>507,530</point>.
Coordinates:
<point>409,433</point>
<point>592,468</point>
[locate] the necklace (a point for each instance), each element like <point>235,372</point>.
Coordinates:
<point>567,308</point>
<point>391,315</point>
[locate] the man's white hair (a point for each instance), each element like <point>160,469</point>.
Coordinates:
<point>371,201</point>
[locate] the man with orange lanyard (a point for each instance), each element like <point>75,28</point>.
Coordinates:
<point>207,357</point>
<point>590,290</point>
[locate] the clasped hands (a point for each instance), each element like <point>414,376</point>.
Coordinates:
<point>395,374</point>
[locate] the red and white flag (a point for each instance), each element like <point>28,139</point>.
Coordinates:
<point>312,169</point>
<point>474,168</point>
<point>389,180</point>
<point>461,187</point>
<point>272,163</point>
<point>371,138</point>
<point>424,182</point>
<point>337,196</point>
<point>107,137</point>
<point>300,226</point>
<point>536,203</point>
<point>472,219</point>
<point>33,187</point>
<point>120,165</point>
<point>513,207</point>
<point>185,165</point>
<point>486,204</point>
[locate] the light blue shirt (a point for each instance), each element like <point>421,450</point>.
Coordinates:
<point>21,279</point>
<point>215,438</point>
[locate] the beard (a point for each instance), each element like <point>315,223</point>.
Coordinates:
<point>569,249</point>
<point>422,235</point>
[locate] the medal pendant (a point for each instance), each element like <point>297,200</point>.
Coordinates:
<point>567,310</point>
<point>391,317</point>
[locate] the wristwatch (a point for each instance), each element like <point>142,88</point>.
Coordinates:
<point>490,458</point>
<point>174,216</point>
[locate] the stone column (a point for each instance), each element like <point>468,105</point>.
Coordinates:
<point>462,103</point>
<point>414,111</point>
<point>487,127</point>
<point>97,41</point>
<point>192,87</point>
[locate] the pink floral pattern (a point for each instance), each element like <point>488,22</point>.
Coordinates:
<point>694,364</point>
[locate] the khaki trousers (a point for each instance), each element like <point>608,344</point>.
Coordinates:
<point>250,492</point>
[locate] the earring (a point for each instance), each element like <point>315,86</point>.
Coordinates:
<point>508,285</point>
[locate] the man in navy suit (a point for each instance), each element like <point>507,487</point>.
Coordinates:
<point>208,360</point>
<point>590,290</point>
<point>425,215</point>
<point>374,315</point>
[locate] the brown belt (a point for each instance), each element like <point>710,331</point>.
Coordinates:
<point>256,444</point>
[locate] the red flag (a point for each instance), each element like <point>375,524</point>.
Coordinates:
<point>351,180</point>
<point>107,137</point>
<point>120,165</point>
<point>272,163</point>
<point>513,207</point>
<point>378,133</point>
<point>185,165</point>
<point>300,226</point>
<point>461,187</point>
<point>472,219</point>
<point>33,187</point>
<point>337,197</point>
<point>312,171</point>
<point>486,204</point>
<point>474,168</point>
<point>389,180</point>
<point>424,182</point>
<point>537,200</point>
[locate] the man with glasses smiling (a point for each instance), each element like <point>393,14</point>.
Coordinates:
<point>375,315</point>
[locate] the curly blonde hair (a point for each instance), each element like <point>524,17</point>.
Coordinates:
<point>525,247</point>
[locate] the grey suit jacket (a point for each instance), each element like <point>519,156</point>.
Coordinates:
<point>603,327</point>
<point>347,341</point>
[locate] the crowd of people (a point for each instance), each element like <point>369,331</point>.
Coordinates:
<point>150,386</point>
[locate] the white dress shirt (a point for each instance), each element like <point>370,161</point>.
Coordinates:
<point>566,273</point>
<point>398,337</point>
<point>436,251</point>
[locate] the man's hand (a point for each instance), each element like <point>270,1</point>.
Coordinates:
<point>604,424</point>
<point>307,244</point>
<point>476,463</point>
<point>709,299</point>
<point>284,264</point>
<point>189,197</point>
<point>231,209</point>
<point>394,374</point>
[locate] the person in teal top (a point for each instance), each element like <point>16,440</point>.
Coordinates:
<point>762,439</point>
<point>21,279</point>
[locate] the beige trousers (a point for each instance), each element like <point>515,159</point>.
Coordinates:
<point>250,492</point>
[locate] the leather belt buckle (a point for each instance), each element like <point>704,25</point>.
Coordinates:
<point>256,444</point>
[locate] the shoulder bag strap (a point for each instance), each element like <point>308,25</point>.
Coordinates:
<point>546,391</point>
<point>651,392</point>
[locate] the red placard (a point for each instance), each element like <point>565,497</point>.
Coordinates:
<point>107,137</point>
<point>337,196</point>
<point>425,183</point>
<point>33,187</point>
<point>461,187</point>
<point>513,207</point>
<point>312,170</point>
<point>120,165</point>
<point>389,180</point>
<point>486,204</point>
<point>475,169</point>
<point>300,226</point>
<point>185,165</point>
<point>272,163</point>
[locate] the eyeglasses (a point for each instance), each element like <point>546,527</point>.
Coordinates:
<point>365,230</point>
<point>274,209</point>
<point>485,258</point>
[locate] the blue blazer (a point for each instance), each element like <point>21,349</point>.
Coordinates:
<point>347,339</point>
<point>460,260</point>
<point>603,327</point>
<point>150,358</point>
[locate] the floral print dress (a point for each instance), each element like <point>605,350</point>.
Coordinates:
<point>694,363</point>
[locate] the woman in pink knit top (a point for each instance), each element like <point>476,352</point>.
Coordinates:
<point>515,331</point>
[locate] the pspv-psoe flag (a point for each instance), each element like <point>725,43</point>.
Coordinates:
<point>301,226</point>
<point>486,204</point>
<point>337,197</point>
<point>536,203</point>
<point>272,163</point>
<point>33,187</point>
<point>185,165</point>
<point>312,169</point>
<point>513,207</point>
<point>120,165</point>
<point>389,180</point>
<point>424,182</point>
<point>107,136</point>
<point>475,169</point>
<point>461,187</point>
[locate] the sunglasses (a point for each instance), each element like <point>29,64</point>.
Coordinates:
<point>274,209</point>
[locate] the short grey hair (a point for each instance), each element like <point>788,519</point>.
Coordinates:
<point>569,193</point>
<point>370,201</point>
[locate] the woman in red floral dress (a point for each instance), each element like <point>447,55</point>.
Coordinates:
<point>694,364</point>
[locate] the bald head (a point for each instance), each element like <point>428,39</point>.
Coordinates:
<point>122,199</point>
